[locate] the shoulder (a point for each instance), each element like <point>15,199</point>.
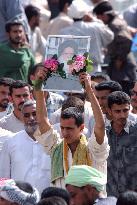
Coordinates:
<point>107,201</point>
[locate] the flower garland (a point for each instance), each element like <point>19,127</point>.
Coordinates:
<point>80,63</point>
<point>51,66</point>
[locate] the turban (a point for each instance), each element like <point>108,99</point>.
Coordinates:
<point>10,192</point>
<point>78,9</point>
<point>82,175</point>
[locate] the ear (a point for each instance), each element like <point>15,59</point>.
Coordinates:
<point>109,111</point>
<point>10,99</point>
<point>32,77</point>
<point>82,127</point>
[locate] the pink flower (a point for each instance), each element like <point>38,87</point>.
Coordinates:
<point>78,64</point>
<point>51,64</point>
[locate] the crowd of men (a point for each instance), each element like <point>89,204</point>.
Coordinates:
<point>67,148</point>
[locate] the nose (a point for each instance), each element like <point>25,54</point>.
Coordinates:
<point>122,114</point>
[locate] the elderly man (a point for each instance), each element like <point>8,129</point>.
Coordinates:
<point>18,193</point>
<point>85,185</point>
<point>24,156</point>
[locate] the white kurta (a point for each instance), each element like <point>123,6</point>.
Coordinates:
<point>99,153</point>
<point>24,159</point>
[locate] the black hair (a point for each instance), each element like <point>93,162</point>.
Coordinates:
<point>6,81</point>
<point>62,4</point>
<point>18,84</point>
<point>73,102</point>
<point>109,85</point>
<point>73,112</point>
<point>9,25</point>
<point>119,98</point>
<point>33,71</point>
<point>24,186</point>
<point>127,198</point>
<point>103,7</point>
<point>98,75</point>
<point>31,11</point>
<point>56,191</point>
<point>66,44</point>
<point>52,201</point>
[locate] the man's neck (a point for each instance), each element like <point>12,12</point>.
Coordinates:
<point>117,128</point>
<point>18,115</point>
<point>15,46</point>
<point>73,146</point>
<point>31,136</point>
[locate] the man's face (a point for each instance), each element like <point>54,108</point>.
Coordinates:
<point>4,96</point>
<point>67,53</point>
<point>29,117</point>
<point>19,96</point>
<point>119,113</point>
<point>79,196</point>
<point>16,34</point>
<point>102,99</point>
<point>134,97</point>
<point>70,131</point>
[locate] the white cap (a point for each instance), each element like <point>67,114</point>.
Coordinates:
<point>78,9</point>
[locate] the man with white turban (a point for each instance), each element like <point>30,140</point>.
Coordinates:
<point>85,185</point>
<point>18,193</point>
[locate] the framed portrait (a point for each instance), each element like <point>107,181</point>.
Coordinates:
<point>65,47</point>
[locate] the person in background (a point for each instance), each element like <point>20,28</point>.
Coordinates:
<point>61,21</point>
<point>56,191</point>
<point>5,106</point>
<point>11,10</point>
<point>25,158</point>
<point>19,93</point>
<point>52,201</point>
<point>99,77</point>
<point>127,198</point>
<point>17,192</point>
<point>85,185</point>
<point>37,42</point>
<point>16,59</point>
<point>133,94</point>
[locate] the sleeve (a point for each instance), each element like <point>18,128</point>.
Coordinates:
<point>106,35</point>
<point>99,153</point>
<point>49,140</point>
<point>5,161</point>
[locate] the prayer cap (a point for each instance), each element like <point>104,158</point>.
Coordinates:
<point>82,175</point>
<point>12,193</point>
<point>78,9</point>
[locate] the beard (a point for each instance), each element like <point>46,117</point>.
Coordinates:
<point>16,40</point>
<point>4,104</point>
<point>30,129</point>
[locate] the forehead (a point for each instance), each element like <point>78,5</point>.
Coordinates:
<point>101,93</point>
<point>73,189</point>
<point>68,49</point>
<point>68,122</point>
<point>29,108</point>
<point>16,27</point>
<point>4,87</point>
<point>120,107</point>
<point>21,90</point>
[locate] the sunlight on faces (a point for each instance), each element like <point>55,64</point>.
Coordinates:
<point>29,117</point>
<point>119,113</point>
<point>19,96</point>
<point>70,131</point>
<point>16,34</point>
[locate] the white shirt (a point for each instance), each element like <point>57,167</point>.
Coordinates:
<point>4,135</point>
<point>3,113</point>
<point>11,123</point>
<point>24,159</point>
<point>99,153</point>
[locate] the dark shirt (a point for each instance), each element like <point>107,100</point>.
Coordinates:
<point>122,160</point>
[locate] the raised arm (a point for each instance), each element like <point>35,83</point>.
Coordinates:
<point>42,117</point>
<point>99,128</point>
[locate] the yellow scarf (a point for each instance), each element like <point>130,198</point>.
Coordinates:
<point>81,155</point>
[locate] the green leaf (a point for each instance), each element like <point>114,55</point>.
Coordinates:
<point>89,68</point>
<point>86,54</point>
<point>69,62</point>
<point>55,56</point>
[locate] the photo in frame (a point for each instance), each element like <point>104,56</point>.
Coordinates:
<point>65,47</point>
